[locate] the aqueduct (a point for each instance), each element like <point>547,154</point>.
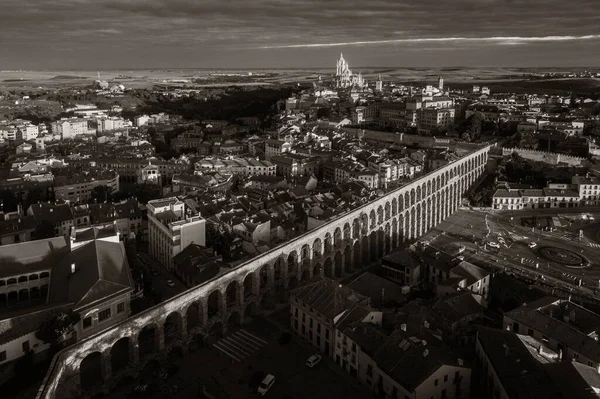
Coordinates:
<point>332,249</point>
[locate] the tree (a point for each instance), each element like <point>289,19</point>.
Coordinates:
<point>101,194</point>
<point>55,330</point>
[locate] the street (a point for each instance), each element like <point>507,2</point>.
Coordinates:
<point>472,229</point>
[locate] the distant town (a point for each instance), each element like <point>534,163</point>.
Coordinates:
<point>380,238</point>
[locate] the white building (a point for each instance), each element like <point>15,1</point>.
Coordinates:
<point>71,128</point>
<point>171,228</point>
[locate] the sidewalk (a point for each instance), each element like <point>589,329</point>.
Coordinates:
<point>331,365</point>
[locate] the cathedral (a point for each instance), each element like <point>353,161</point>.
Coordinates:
<point>344,77</point>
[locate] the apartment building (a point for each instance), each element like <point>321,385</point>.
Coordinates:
<point>71,128</point>
<point>77,187</point>
<point>171,228</point>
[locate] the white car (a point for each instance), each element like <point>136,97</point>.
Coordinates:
<point>266,384</point>
<point>493,244</point>
<point>170,283</point>
<point>313,361</point>
<point>532,245</point>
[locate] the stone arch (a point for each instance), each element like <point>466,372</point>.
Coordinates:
<point>423,191</point>
<point>372,219</point>
<point>232,297</point>
<point>317,250</point>
<point>387,238</point>
<point>338,262</point>
<point>147,341</point>
<point>328,268</point>
<point>356,228</point>
<point>215,303</point>
<point>394,207</point>
<point>292,263</point>
<point>305,251</point>
<point>418,193</point>
<point>337,237</point>
<point>327,244</point>
<point>373,246</point>
<point>403,202</point>
<point>252,309</point>
<point>347,236</point>
<point>366,256</point>
<point>234,320</point>
<point>293,282</point>
<point>279,271</point>
<point>401,228</point>
<point>250,285</point>
<point>119,354</point>
<point>215,331</point>
<point>380,242</point>
<point>387,211</point>
<point>428,188</point>
<point>194,316</point>
<point>348,259</point>
<point>172,328</point>
<point>394,233</point>
<point>379,215</point>
<point>412,231</point>
<point>265,278</point>
<point>419,216</point>
<point>306,275</point>
<point>91,371</point>
<point>364,224</point>
<point>357,255</point>
<point>316,269</point>
<point>412,197</point>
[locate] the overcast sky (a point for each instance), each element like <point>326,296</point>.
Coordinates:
<point>97,34</point>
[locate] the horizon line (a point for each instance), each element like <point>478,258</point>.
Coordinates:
<point>122,69</point>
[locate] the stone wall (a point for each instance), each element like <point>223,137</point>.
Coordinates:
<point>552,158</point>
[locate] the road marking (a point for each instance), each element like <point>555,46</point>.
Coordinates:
<point>239,345</point>
<point>226,352</point>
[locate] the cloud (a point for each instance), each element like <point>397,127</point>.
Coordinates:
<point>178,29</point>
<point>496,40</point>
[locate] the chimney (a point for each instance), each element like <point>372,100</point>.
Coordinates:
<point>72,268</point>
<point>403,327</point>
<point>425,352</point>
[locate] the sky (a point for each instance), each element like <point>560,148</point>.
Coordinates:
<point>153,34</point>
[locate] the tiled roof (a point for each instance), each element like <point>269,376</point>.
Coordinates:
<point>101,271</point>
<point>557,330</point>
<point>521,375</point>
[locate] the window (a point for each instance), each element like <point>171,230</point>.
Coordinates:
<point>87,322</point>
<point>2,356</point>
<point>436,382</point>
<point>121,307</point>
<point>369,370</point>
<point>103,315</point>
<point>25,346</point>
<point>446,378</point>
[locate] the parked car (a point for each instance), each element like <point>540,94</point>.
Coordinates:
<point>532,245</point>
<point>154,272</point>
<point>266,384</point>
<point>493,244</point>
<point>313,361</point>
<point>170,283</point>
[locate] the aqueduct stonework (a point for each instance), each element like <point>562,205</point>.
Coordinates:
<point>332,249</point>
